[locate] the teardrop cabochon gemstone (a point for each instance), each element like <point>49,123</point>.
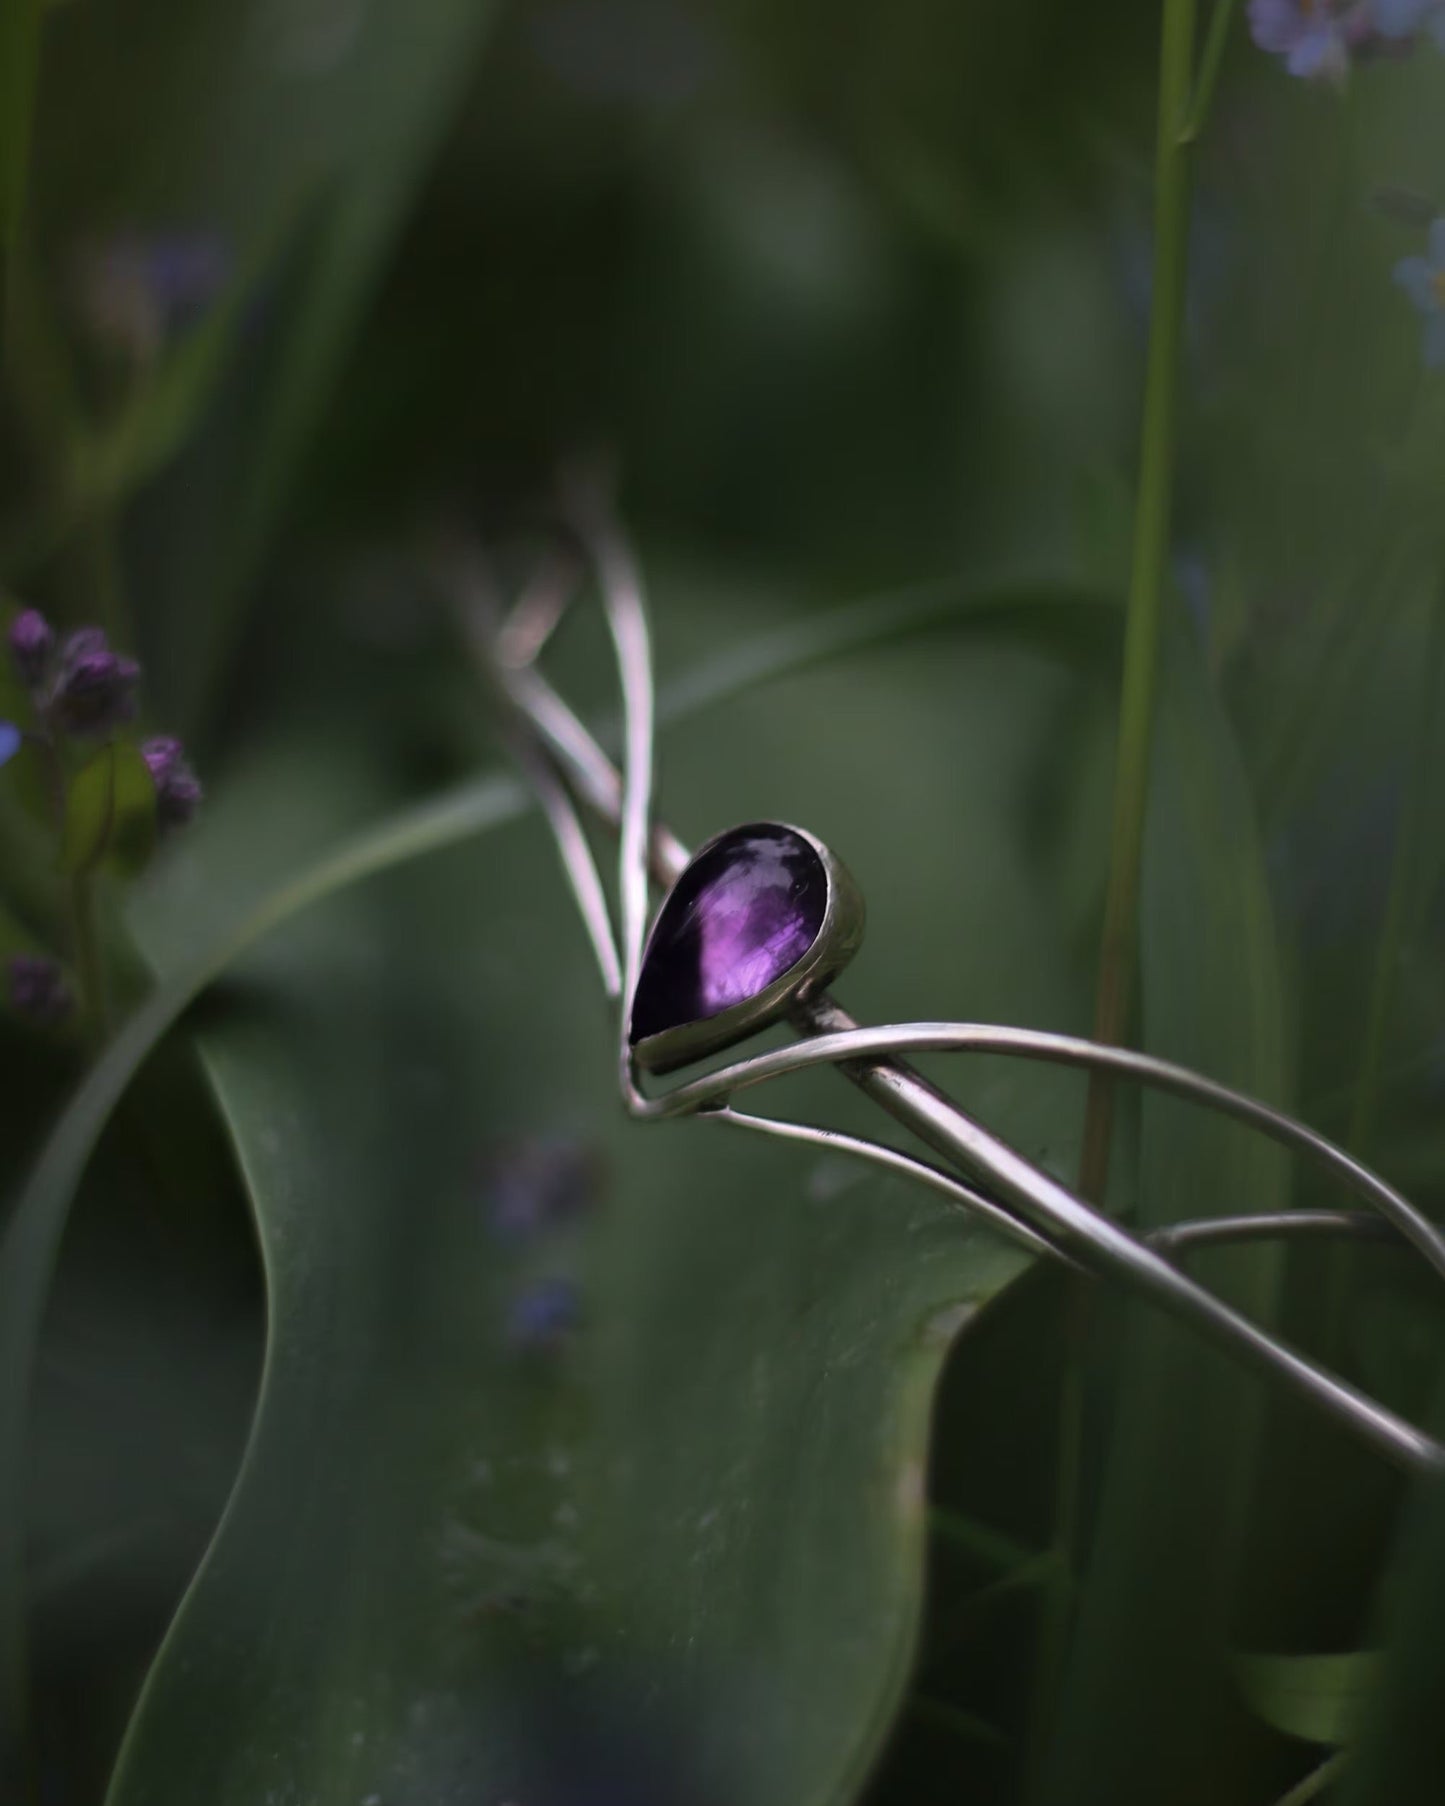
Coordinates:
<point>761,913</point>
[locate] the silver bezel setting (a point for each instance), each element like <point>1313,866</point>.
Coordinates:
<point>839,937</point>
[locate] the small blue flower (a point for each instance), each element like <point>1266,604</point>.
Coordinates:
<point>544,1315</point>
<point>1314,37</point>
<point>10,741</point>
<point>1423,280</point>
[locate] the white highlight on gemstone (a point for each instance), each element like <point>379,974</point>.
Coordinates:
<point>748,940</point>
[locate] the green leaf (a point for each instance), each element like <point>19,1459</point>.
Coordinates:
<point>720,1480</point>
<point>241,910</point>
<point>110,812</point>
<point>1318,1698</point>
<point>1400,1753</point>
<point>706,1508</point>
<point>1144,1679</point>
<point>239,892</point>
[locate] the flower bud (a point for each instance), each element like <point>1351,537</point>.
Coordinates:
<point>32,640</point>
<point>95,691</point>
<point>178,790</point>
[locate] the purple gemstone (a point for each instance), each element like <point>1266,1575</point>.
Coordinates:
<point>746,910</point>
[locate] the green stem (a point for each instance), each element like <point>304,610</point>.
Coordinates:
<point>954,1720</point>
<point>962,1621</point>
<point>1404,867</point>
<point>1148,575</point>
<point>1057,1614</point>
<point>978,1540</point>
<point>1209,66</point>
<point>1315,1782</point>
<point>89,971</point>
<point>94,998</point>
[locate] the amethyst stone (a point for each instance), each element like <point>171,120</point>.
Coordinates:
<point>743,913</point>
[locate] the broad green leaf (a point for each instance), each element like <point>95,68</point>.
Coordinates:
<point>1048,613</point>
<point>1144,1679</point>
<point>225,906</point>
<point>246,911</point>
<point>1318,1698</point>
<point>110,812</point>
<point>689,1537</point>
<point>709,1504</point>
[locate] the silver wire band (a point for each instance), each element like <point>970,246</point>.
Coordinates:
<point>1045,1216</point>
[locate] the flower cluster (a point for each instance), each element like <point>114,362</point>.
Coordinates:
<point>1318,40</point>
<point>81,692</point>
<point>79,687</point>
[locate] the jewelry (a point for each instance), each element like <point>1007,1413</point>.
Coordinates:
<point>757,924</point>
<point>763,917</point>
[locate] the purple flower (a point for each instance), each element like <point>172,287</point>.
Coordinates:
<point>1314,37</point>
<point>543,1315</point>
<point>1423,280</point>
<point>178,790</point>
<point>1401,20</point>
<point>11,740</point>
<point>32,640</point>
<point>94,690</point>
<point>38,989</point>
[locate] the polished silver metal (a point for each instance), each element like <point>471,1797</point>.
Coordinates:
<point>1030,1205</point>
<point>1277,1225</point>
<point>845,1045</point>
<point>839,936</point>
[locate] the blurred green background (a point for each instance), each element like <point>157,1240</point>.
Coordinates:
<point>712,1480</point>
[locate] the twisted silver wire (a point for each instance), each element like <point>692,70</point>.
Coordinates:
<point>1030,1205</point>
